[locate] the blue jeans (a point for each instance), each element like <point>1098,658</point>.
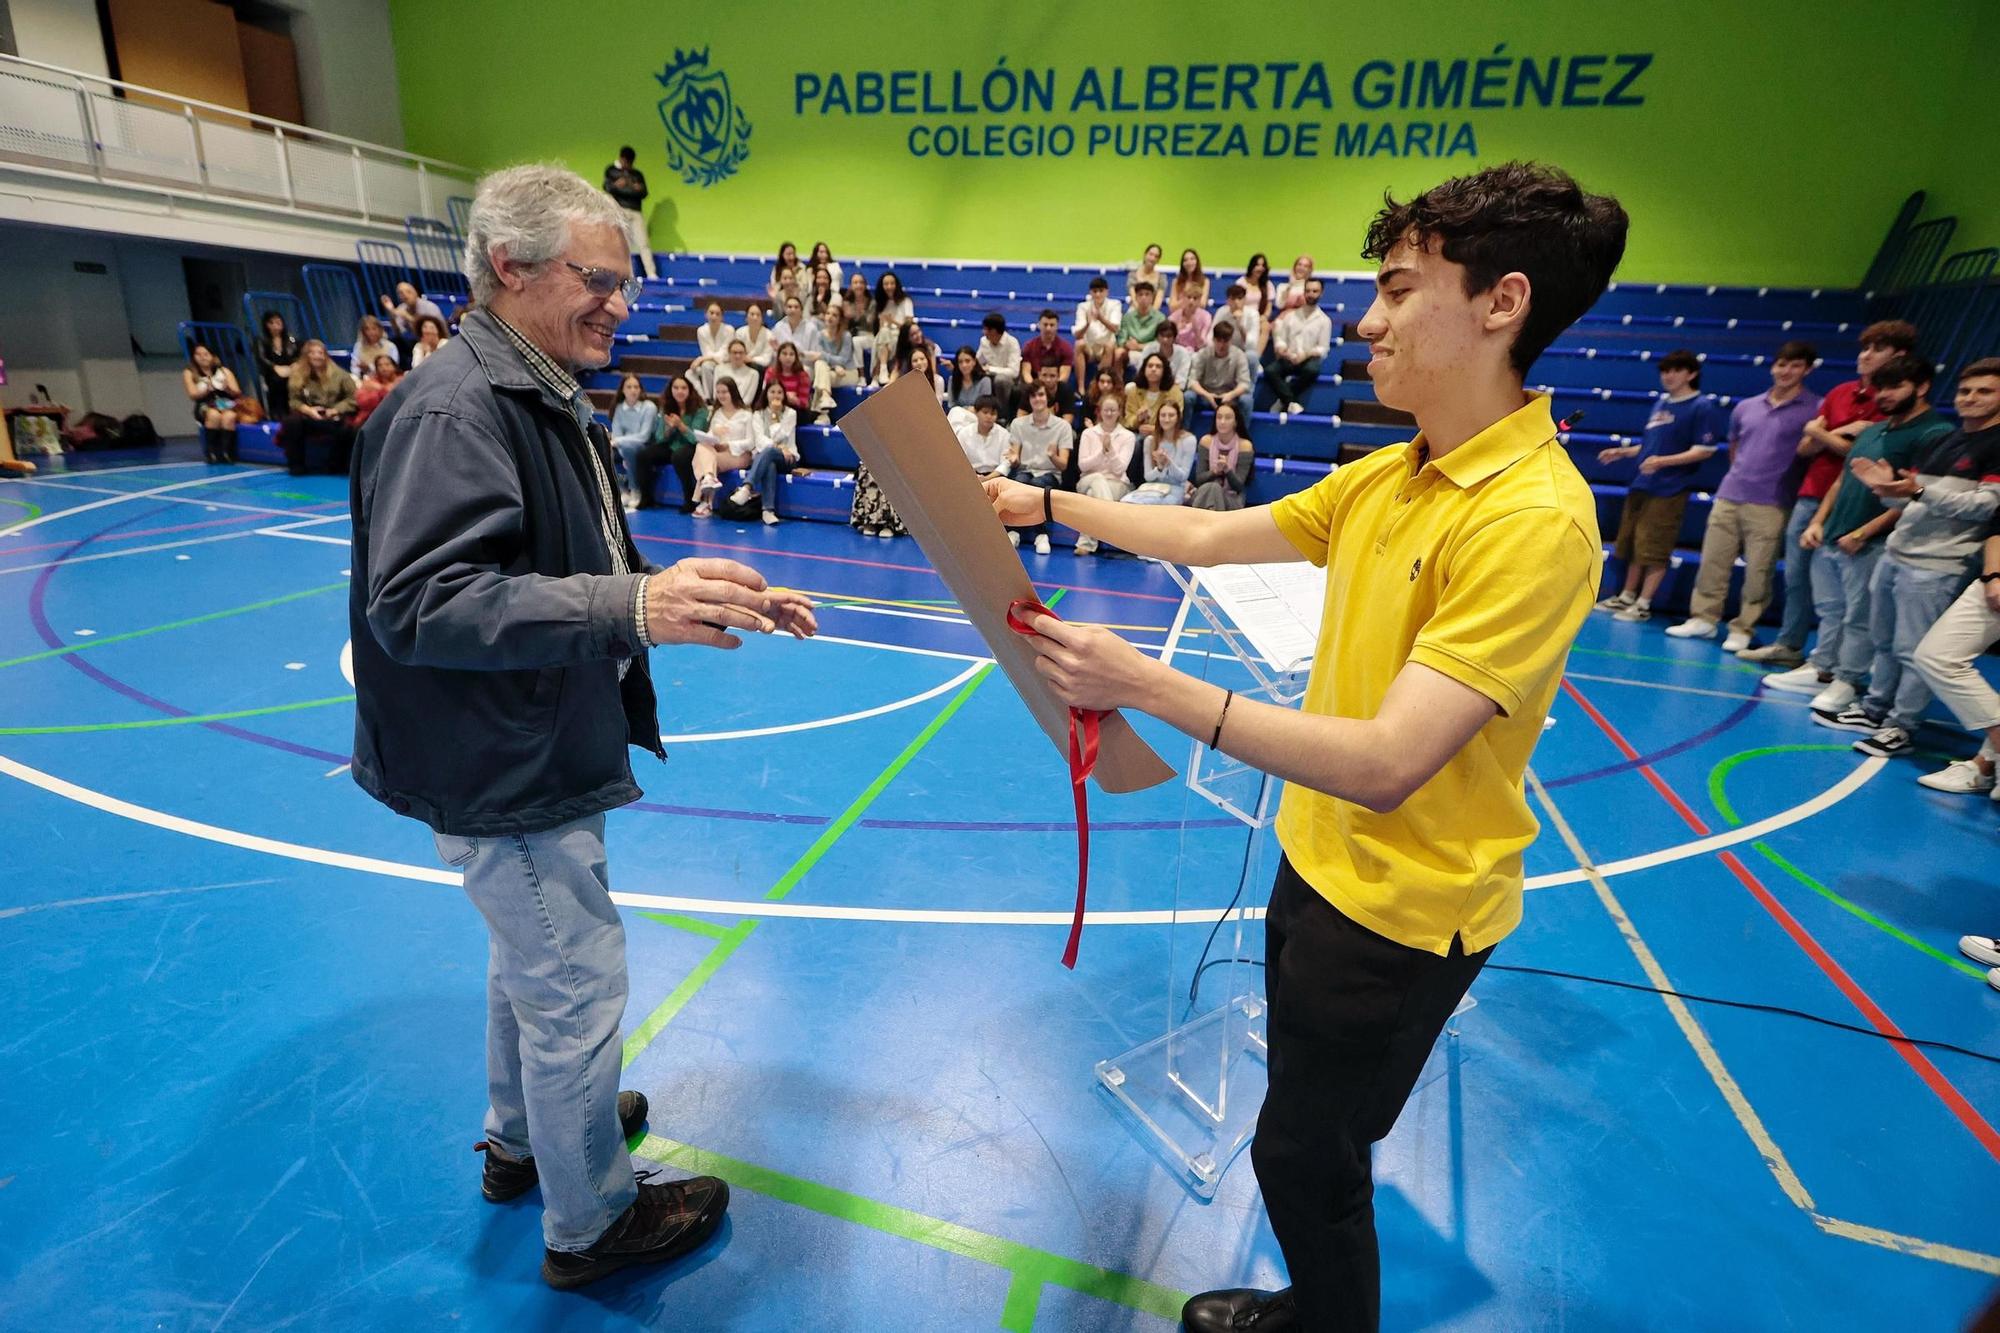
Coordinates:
<point>1905,603</point>
<point>1048,481</point>
<point>765,471</point>
<point>555,993</point>
<point>1798,577</point>
<point>628,456</point>
<point>1841,596</point>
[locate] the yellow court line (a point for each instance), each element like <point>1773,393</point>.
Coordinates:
<point>1746,1115</point>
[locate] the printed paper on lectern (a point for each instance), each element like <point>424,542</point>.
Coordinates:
<point>902,435</point>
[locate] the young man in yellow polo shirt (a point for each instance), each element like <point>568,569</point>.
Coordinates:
<point>1459,568</point>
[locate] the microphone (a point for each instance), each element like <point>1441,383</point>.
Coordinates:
<point>1568,423</point>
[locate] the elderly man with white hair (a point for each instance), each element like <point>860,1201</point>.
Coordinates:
<point>501,618</point>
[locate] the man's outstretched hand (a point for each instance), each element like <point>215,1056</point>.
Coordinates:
<point>699,600</point>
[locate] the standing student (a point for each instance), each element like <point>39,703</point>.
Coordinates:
<point>1754,500</point>
<point>626,184</point>
<point>1848,533</point>
<point>1459,568</point>
<point>1300,341</point>
<point>1969,627</point>
<point>1103,456</point>
<point>277,350</point>
<point>1847,410</point>
<point>1685,430</point>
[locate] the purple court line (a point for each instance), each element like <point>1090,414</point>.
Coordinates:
<point>934,825</point>
<point>1702,737</point>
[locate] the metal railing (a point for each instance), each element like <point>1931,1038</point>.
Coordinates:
<point>71,123</point>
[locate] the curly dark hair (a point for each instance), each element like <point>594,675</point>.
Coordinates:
<point>1519,217</point>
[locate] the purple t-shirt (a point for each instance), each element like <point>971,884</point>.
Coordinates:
<point>1765,467</point>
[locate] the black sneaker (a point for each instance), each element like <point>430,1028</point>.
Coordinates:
<point>665,1223</point>
<point>1851,718</point>
<point>505,1179</point>
<point>1240,1308</point>
<point>1887,743</point>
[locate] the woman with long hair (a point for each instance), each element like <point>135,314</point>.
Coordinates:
<point>789,373</point>
<point>969,381</point>
<point>893,310</point>
<point>1103,456</point>
<point>276,350</point>
<point>1257,284</point>
<point>370,341</point>
<point>924,368</point>
<point>1189,277</point>
<point>756,336</point>
<point>383,376</point>
<point>1153,386</point>
<point>1148,271</point>
<point>774,450</point>
<point>212,390</point>
<point>431,335</point>
<point>824,294</point>
<point>323,399</point>
<point>724,445</point>
<point>1167,460</point>
<point>785,266</point>
<point>633,422</point>
<point>1223,463</point>
<point>822,257</point>
<point>683,414</point>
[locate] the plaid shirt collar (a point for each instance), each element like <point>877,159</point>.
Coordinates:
<point>541,365</point>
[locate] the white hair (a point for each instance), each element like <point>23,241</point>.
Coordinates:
<point>529,209</point>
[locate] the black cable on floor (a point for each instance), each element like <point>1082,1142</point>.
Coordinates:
<point>1242,881</point>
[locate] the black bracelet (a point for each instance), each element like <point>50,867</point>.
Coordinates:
<point>1216,739</point>
<point>1989,578</point>
<point>1048,504</point>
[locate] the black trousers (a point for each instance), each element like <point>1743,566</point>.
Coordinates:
<point>1352,1018</point>
<point>1285,382</point>
<point>300,437</point>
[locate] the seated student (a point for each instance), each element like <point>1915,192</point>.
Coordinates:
<point>1103,455</point>
<point>408,308</point>
<point>322,398</point>
<point>999,356</point>
<point>1191,320</point>
<point>1062,394</point>
<point>790,375</point>
<point>859,302</point>
<point>1168,458</point>
<point>431,335</point>
<point>1189,281</point>
<point>839,363</point>
<point>738,370</point>
<point>1048,345</point>
<point>984,439</point>
<point>892,309</point>
<point>1848,533</point>
<point>909,338</point>
<point>1221,372</point>
<point>711,342</point>
<point>1147,272</point>
<point>798,329</point>
<point>683,413</point>
<point>1946,657</point>
<point>785,270</point>
<point>213,390</point>
<point>724,445</point>
<point>1299,343</point>
<point>277,349</point>
<point>774,451</point>
<point>1037,452</point>
<point>1167,342</point>
<point>822,258</point>
<point>370,342</point>
<point>1222,465</point>
<point>1685,430</point>
<point>1086,410</point>
<point>1141,325</point>
<point>372,389</point>
<point>966,385</point>
<point>1246,326</point>
<point>1292,292</point>
<point>1153,385</point>
<point>757,339</point>
<point>921,366</point>
<point>1095,331</point>
<point>1948,497</point>
<point>823,295</point>
<point>633,422</point>
<point>1262,298</point>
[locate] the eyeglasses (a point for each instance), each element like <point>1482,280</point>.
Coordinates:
<point>602,282</point>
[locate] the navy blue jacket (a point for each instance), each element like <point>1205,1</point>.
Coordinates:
<point>487,624</point>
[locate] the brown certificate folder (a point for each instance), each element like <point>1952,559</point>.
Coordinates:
<point>902,435</point>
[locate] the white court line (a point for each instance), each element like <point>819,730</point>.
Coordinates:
<point>790,727</point>
<point>81,489</point>
<point>124,497</point>
<point>1175,630</point>
<point>173,545</point>
<point>1762,697</point>
<point>302,536</point>
<point>900,648</point>
<point>97,800</point>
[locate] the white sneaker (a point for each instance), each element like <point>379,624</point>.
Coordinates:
<point>1085,546</point>
<point>770,518</point>
<point>886,534</point>
<point>1736,642</point>
<point>1836,698</point>
<point>1634,613</point>
<point>1993,978</point>
<point>1618,601</point>
<point>1042,544</point>
<point>1799,680</point>
<point>1692,628</point>
<point>1962,779</point>
<point>1297,409</point>
<point>1013,537</point>
<point>741,495</point>
<point>1980,949</point>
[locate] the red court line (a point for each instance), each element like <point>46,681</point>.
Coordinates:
<point>1954,1100</point>
<point>879,564</point>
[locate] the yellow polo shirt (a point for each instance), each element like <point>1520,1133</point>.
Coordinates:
<point>1482,565</point>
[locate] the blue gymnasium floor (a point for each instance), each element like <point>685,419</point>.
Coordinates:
<point>241,1068</point>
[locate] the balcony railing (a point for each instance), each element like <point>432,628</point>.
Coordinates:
<point>85,126</point>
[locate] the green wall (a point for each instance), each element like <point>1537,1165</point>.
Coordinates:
<point>1751,142</point>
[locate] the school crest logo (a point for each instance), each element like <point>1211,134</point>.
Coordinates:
<point>708,136</point>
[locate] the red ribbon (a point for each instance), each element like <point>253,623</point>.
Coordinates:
<point>1083,724</point>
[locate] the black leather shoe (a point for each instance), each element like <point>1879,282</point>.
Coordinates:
<point>505,1178</point>
<point>1240,1308</point>
<point>665,1223</point>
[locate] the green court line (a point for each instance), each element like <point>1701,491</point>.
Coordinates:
<point>643,1035</point>
<point>171,624</point>
<point>145,723</point>
<point>34,512</point>
<point>688,923</point>
<point>1031,1269</point>
<point>1742,667</point>
<point>1718,796</point>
